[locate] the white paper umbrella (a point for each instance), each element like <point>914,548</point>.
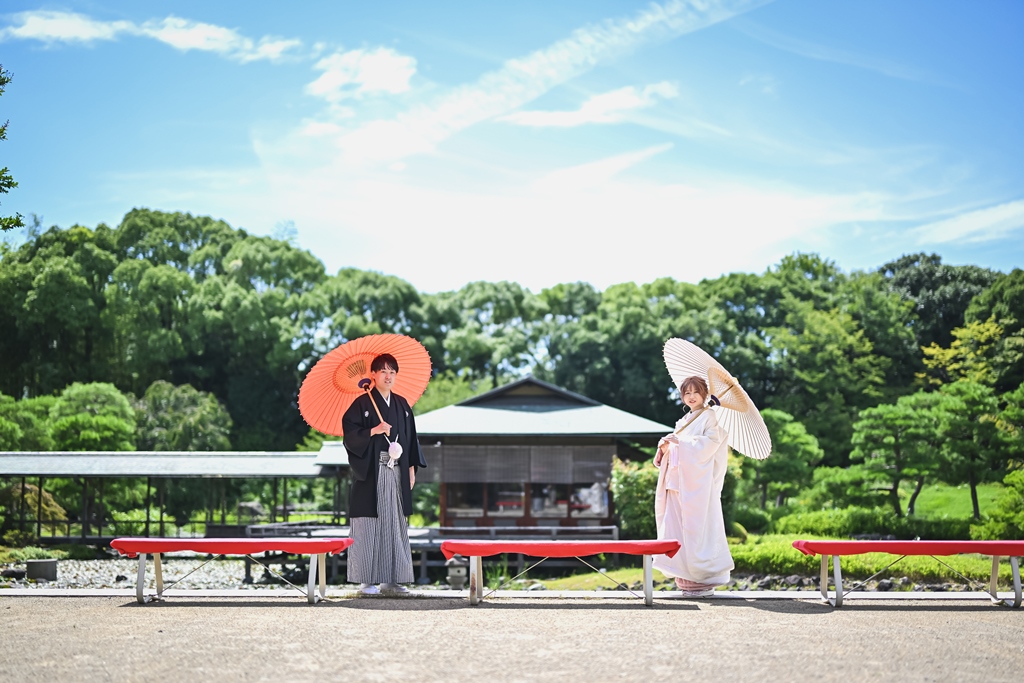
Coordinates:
<point>737,413</point>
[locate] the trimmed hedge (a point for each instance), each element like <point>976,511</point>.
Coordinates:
<point>856,521</point>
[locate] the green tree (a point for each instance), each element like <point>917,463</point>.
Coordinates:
<point>1006,521</point>
<point>940,293</point>
<point>791,465</point>
<point>827,373</point>
<point>975,449</point>
<point>174,418</point>
<point>448,389</point>
<point>51,302</point>
<point>7,182</point>
<point>891,440</point>
<point>93,417</point>
<point>1004,302</point>
<point>969,357</point>
<point>841,487</point>
<point>1012,422</point>
<point>32,418</point>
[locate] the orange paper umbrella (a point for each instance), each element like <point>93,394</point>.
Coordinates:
<point>333,383</point>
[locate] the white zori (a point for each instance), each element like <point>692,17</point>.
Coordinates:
<point>688,503</point>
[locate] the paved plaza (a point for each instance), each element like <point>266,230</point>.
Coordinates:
<point>281,638</point>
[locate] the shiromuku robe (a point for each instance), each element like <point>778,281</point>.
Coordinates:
<point>364,450</point>
<point>688,503</point>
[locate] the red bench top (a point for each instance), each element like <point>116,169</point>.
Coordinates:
<point>1003,548</point>
<point>231,546</point>
<point>454,547</point>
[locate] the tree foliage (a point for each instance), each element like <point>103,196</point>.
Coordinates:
<point>174,418</point>
<point>7,182</point>
<point>791,465</point>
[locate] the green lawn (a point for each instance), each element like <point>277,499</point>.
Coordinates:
<point>941,500</point>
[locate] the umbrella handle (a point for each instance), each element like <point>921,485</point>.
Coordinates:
<point>693,416</point>
<point>374,403</point>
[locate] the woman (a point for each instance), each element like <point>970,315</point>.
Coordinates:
<point>688,502</point>
<point>380,497</point>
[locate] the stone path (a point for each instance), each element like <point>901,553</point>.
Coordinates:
<point>280,637</point>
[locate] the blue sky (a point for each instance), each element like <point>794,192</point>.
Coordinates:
<point>537,142</point>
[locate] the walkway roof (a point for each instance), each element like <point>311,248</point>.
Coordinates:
<point>184,464</point>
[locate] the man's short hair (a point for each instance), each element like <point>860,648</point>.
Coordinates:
<point>382,361</point>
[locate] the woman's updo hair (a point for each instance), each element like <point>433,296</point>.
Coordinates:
<point>694,383</point>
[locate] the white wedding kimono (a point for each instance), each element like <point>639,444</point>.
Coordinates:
<point>688,503</point>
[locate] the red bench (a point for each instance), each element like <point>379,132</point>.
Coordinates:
<point>316,548</point>
<point>835,549</point>
<point>477,550</point>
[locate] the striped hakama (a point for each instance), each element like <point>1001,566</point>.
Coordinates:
<point>380,552</point>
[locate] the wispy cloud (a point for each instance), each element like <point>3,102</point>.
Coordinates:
<point>522,80</point>
<point>982,225</point>
<point>182,34</point>
<point>766,83</point>
<point>609,107</point>
<point>362,72</point>
<point>596,173</point>
<point>823,53</point>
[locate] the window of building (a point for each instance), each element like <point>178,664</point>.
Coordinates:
<point>465,500</point>
<point>589,500</point>
<point>505,500</point>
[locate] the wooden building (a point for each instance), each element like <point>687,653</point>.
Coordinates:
<point>528,454</point>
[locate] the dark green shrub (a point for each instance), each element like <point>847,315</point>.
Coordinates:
<point>633,485</point>
<point>754,520</point>
<point>1006,521</point>
<point>18,539</point>
<point>854,521</point>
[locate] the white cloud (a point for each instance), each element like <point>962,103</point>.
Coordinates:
<point>63,27</point>
<point>608,107</point>
<point>823,53</point>
<point>360,72</point>
<point>982,225</point>
<point>182,34</point>
<point>522,80</point>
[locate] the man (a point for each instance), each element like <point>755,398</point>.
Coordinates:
<point>380,497</point>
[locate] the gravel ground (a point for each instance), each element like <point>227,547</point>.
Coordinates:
<point>120,573</point>
<point>230,574</point>
<point>557,640</point>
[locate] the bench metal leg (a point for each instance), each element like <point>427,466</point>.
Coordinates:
<point>648,580</point>
<point>311,580</point>
<point>322,561</point>
<point>994,580</point>
<point>838,600</point>
<point>476,575</point>
<point>1015,568</point>
<point>159,576</point>
<point>140,583</point>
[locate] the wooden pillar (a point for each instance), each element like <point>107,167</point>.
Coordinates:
<point>39,509</point>
<point>336,517</point>
<point>284,498</point>
<point>273,502</point>
<point>149,483</point>
<point>162,486</point>
<point>99,507</point>
<point>21,514</point>
<point>442,499</point>
<point>85,507</point>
